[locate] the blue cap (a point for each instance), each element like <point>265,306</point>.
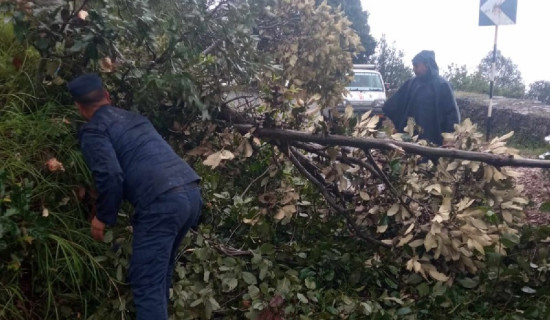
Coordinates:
<point>84,84</point>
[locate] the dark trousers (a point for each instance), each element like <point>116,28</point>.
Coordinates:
<point>158,230</point>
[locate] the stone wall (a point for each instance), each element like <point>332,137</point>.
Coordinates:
<point>530,120</point>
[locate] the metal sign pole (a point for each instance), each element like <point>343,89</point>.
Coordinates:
<point>491,86</point>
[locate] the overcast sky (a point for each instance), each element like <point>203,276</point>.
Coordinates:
<point>450,28</point>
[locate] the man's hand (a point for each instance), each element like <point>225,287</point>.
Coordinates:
<point>98,229</point>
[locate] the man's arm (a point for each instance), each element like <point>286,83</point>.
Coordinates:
<point>394,107</point>
<point>108,176</point>
<point>449,108</point>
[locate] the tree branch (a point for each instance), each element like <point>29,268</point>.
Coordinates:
<point>385,144</point>
<point>346,160</point>
<point>332,202</point>
<point>211,47</point>
<point>387,182</point>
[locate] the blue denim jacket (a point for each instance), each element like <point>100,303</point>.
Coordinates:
<point>129,160</point>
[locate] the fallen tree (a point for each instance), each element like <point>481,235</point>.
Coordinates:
<point>291,136</point>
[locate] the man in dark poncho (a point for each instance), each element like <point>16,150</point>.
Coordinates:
<point>428,98</point>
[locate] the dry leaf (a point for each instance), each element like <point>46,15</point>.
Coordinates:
<point>199,151</point>
<point>214,159</point>
<point>365,196</point>
<point>405,240</point>
<point>53,165</point>
<point>416,243</point>
<point>409,229</point>
<point>286,211</point>
<point>393,210</point>
<point>251,221</point>
<point>106,65</point>
<point>82,15</point>
<point>437,275</point>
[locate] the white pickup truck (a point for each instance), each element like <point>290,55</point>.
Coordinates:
<point>366,91</point>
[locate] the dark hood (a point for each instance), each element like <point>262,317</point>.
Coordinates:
<point>428,58</point>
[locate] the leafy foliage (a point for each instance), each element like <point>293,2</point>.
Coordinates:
<point>290,230</point>
<point>462,80</point>
<point>508,80</point>
<point>359,22</point>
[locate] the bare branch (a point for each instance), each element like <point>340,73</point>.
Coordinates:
<point>332,202</point>
<point>387,182</point>
<point>346,160</point>
<point>254,181</point>
<point>211,47</point>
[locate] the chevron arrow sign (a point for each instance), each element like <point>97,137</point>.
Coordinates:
<point>497,12</point>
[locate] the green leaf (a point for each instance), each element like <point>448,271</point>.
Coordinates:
<point>196,303</point>
<point>263,271</point>
<point>545,207</point>
<point>77,46</point>
<point>119,275</point>
<point>390,283</point>
<point>302,298</point>
<point>403,311</point>
<point>423,289</point>
<point>202,253</point>
<point>253,292</point>
<point>469,283</point>
<point>528,290</point>
<point>509,240</point>
<point>11,212</point>
<point>367,308</point>
<point>249,278</point>
<point>229,284</point>
<point>310,283</point>
<point>108,237</point>
<point>439,289</point>
<point>214,303</point>
<point>283,286</point>
<point>267,249</point>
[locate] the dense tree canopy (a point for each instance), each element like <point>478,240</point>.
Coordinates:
<point>389,61</point>
<point>508,80</point>
<point>359,22</point>
<point>540,90</point>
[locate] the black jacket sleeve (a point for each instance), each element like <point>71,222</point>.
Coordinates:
<point>108,175</point>
<point>394,108</point>
<point>448,107</point>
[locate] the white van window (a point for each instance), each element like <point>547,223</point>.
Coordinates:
<point>366,81</point>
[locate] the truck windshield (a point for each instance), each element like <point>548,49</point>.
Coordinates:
<point>366,81</point>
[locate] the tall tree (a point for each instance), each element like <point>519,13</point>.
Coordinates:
<point>540,90</point>
<point>508,80</point>
<point>390,64</point>
<point>461,79</point>
<point>359,19</point>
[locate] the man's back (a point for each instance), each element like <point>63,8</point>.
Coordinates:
<point>148,164</point>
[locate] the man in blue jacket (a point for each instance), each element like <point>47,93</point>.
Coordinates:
<point>130,160</point>
<point>428,98</point>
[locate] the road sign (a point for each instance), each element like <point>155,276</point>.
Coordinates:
<point>497,12</point>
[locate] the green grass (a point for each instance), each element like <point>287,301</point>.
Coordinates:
<point>50,267</point>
